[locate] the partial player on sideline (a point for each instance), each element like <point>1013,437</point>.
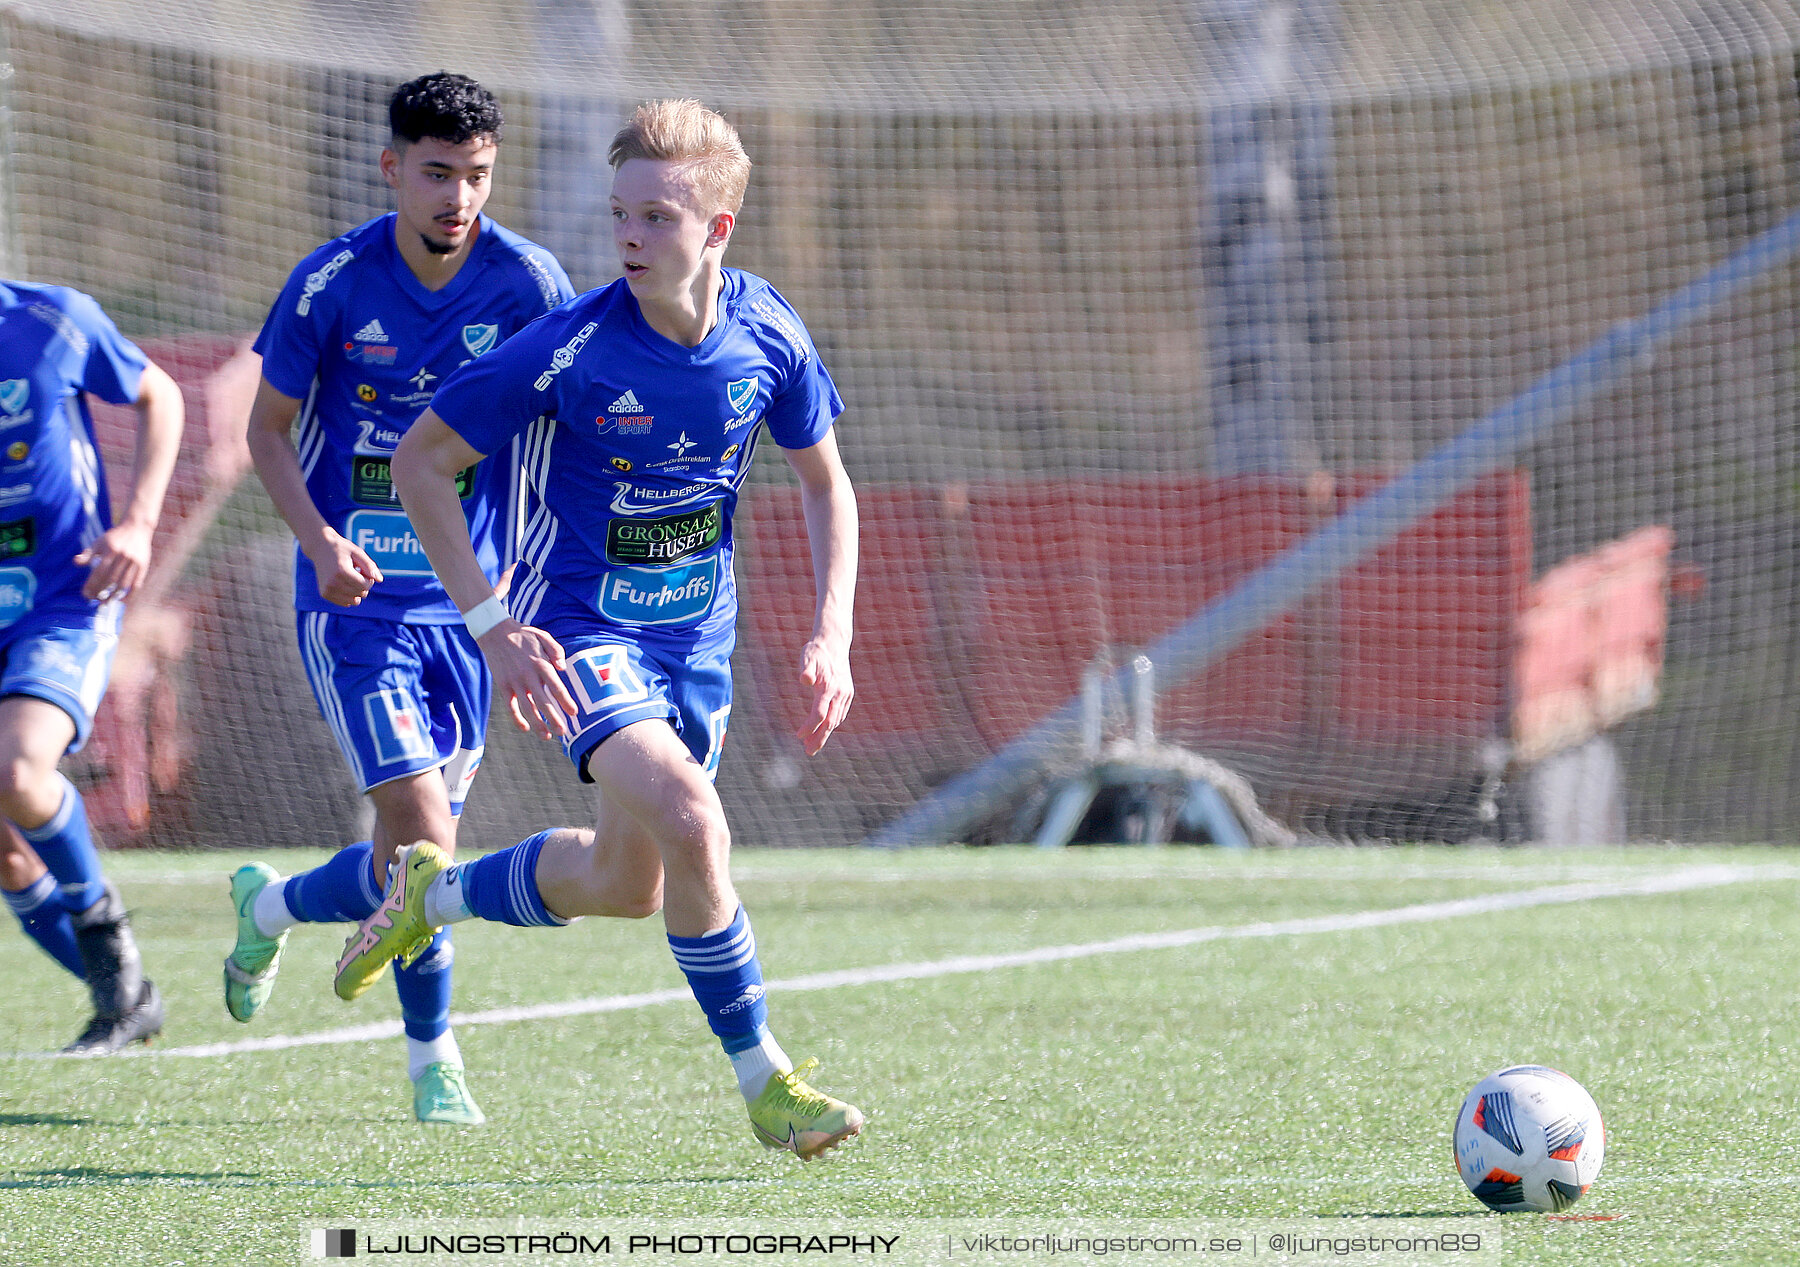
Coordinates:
<point>639,404</point>
<point>65,572</point>
<point>366,328</point>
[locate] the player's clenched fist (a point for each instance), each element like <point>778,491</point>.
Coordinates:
<point>346,573</point>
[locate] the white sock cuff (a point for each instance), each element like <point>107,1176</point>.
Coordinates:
<point>33,895</point>
<point>446,901</point>
<point>58,822</point>
<point>754,1066</point>
<point>270,910</point>
<point>440,1050</point>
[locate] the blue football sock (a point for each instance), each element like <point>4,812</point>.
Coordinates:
<point>68,850</point>
<point>502,886</point>
<point>424,989</point>
<point>340,890</point>
<point>46,921</point>
<point>727,981</point>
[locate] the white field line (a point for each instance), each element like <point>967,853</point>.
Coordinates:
<point>1687,878</point>
<point>1502,868</point>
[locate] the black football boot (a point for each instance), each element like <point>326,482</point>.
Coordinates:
<point>127,1008</point>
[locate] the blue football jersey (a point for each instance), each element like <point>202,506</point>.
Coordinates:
<point>635,446</point>
<point>55,344</point>
<point>363,345</point>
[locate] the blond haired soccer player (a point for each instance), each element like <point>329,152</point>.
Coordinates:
<point>639,404</point>
<point>353,348</point>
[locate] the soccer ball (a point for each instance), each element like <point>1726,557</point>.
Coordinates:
<point>1529,1138</point>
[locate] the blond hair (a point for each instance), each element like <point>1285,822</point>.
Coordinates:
<point>686,132</point>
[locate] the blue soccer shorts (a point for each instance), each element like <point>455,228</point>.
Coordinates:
<point>64,658</point>
<point>399,698</point>
<point>620,676</point>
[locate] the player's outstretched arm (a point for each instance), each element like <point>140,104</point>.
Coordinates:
<point>831,531</point>
<point>523,661</point>
<point>346,574</point>
<point>120,557</point>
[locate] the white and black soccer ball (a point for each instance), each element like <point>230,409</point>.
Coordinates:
<point>1529,1138</point>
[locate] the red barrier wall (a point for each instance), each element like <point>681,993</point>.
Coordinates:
<point>979,605</point>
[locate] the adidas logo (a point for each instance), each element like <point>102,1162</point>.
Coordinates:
<point>372,333</point>
<point>626,404</point>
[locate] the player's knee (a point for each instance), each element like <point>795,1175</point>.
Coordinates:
<point>570,838</point>
<point>639,905</point>
<point>21,786</point>
<point>695,833</point>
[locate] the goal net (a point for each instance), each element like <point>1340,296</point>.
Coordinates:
<point>1129,302</point>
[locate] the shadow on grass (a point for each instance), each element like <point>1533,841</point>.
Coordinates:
<point>94,1177</point>
<point>90,1176</point>
<point>163,1123</point>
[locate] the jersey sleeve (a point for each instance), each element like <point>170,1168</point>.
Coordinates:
<point>553,281</point>
<point>293,336</point>
<point>805,404</point>
<point>114,367</point>
<point>495,397</point>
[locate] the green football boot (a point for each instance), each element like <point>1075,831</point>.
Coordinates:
<point>792,1116</point>
<point>251,966</point>
<point>441,1095</point>
<point>397,929</point>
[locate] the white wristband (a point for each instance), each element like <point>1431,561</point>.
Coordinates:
<point>482,617</point>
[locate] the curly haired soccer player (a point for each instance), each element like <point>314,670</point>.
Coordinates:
<point>65,572</point>
<point>362,333</point>
<point>639,405</point>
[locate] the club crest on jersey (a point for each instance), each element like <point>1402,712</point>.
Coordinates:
<point>479,339</point>
<point>14,393</point>
<point>741,394</point>
<point>366,393</point>
<point>622,464</point>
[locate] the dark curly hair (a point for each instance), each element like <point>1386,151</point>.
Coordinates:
<point>443,106</point>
